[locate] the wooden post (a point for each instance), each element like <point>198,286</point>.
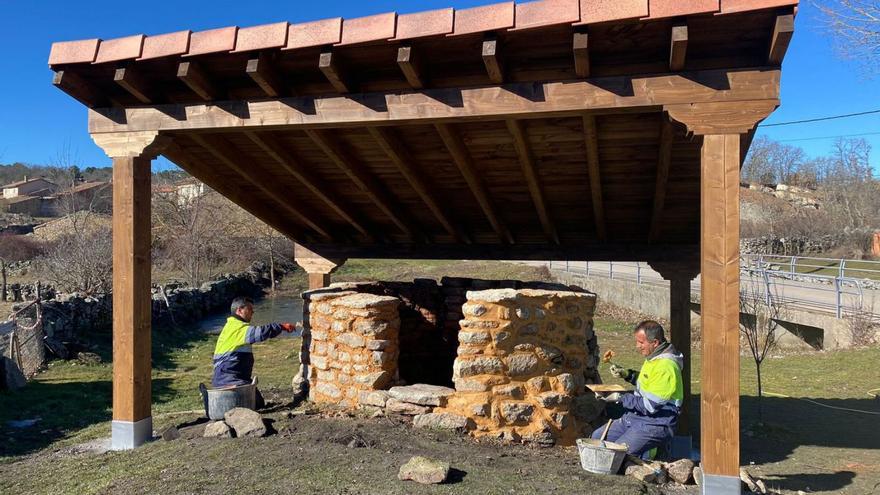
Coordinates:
<point>318,269</point>
<point>720,313</point>
<point>131,154</point>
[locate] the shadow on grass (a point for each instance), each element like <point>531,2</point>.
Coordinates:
<point>789,423</point>
<point>62,408</point>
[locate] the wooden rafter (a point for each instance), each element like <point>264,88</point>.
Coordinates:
<point>193,76</point>
<point>402,159</point>
<point>294,167</point>
<point>591,140</point>
<point>663,162</point>
<point>523,150</point>
<point>462,158</point>
<point>131,80</point>
<point>232,158</point>
<point>262,70</point>
<point>581,49</point>
<point>330,66</point>
<point>558,99</point>
<point>204,173</point>
<point>79,89</point>
<point>783,30</point>
<point>408,61</point>
<point>678,47</point>
<point>363,180</point>
<point>492,59</point>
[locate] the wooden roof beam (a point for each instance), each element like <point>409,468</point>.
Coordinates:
<point>233,158</point>
<point>678,46</point>
<point>132,81</point>
<point>193,76</point>
<point>400,156</point>
<point>531,175</point>
<point>664,160</point>
<point>363,180</point>
<point>591,139</point>
<point>329,65</point>
<point>581,49</point>
<point>410,64</point>
<point>295,168</point>
<point>783,30</point>
<point>79,89</point>
<point>262,70</point>
<point>462,158</point>
<point>492,59</point>
<point>230,190</point>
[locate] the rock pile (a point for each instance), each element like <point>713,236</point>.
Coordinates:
<point>238,422</point>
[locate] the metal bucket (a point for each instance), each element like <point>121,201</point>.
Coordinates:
<point>220,400</point>
<point>600,457</point>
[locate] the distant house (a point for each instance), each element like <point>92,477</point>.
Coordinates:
<point>94,196</point>
<point>189,189</point>
<point>29,187</point>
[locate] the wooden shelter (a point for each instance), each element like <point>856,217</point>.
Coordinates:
<point>554,129</point>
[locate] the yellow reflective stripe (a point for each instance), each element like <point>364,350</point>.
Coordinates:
<point>232,337</point>
<point>661,379</point>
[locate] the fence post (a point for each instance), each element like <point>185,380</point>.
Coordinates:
<point>838,295</point>
<point>769,297</point>
<point>588,268</point>
<point>842,268</point>
<point>611,270</point>
<point>793,268</point>
<point>638,273</point>
<point>551,265</point>
<point>567,269</point>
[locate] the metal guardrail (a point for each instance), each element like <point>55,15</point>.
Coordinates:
<point>836,286</point>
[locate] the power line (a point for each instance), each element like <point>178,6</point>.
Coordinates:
<point>819,138</point>
<point>820,119</point>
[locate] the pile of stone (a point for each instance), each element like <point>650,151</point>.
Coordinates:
<point>418,401</point>
<point>238,422</point>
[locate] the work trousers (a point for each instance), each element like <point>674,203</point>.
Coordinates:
<point>639,437</point>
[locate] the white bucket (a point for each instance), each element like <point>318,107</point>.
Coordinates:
<point>600,457</point>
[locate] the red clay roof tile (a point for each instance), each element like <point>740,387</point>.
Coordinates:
<point>120,49</point>
<point>211,41</point>
<point>165,45</point>
<point>370,28</point>
<point>420,24</point>
<point>261,37</point>
<point>594,11</point>
<point>316,33</point>
<point>733,6</point>
<point>546,13</point>
<point>658,9</point>
<point>74,52</point>
<point>486,18</point>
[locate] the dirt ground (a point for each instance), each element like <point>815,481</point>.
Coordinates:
<point>309,453</point>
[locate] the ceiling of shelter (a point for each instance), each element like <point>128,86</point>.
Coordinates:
<point>617,184</point>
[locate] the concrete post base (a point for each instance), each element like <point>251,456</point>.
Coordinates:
<point>126,435</point>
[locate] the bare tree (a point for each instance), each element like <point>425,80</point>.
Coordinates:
<point>760,309</point>
<point>851,192</point>
<point>855,26</point>
<point>14,248</point>
<point>267,243</point>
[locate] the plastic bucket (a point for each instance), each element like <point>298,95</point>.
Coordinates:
<point>600,457</point>
<point>221,400</point>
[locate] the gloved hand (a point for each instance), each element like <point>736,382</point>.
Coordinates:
<point>612,398</point>
<point>288,327</point>
<point>619,371</point>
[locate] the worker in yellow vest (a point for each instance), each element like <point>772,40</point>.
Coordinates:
<point>651,411</point>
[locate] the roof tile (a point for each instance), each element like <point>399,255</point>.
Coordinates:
<point>212,40</point>
<point>165,45</point>
<point>370,28</point>
<point>594,11</point>
<point>733,6</point>
<point>261,37</point>
<point>120,49</point>
<point>658,9</point>
<point>74,52</point>
<point>420,24</point>
<point>546,13</point>
<point>486,18</point>
<point>316,33</point>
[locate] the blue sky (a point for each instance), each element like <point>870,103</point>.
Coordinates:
<point>38,121</point>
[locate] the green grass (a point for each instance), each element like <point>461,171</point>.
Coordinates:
<point>830,268</point>
<point>407,270</point>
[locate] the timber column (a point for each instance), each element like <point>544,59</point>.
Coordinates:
<point>132,154</point>
<point>679,276</point>
<point>318,269</point>
<point>722,127</point>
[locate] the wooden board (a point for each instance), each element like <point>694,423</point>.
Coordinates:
<point>607,387</point>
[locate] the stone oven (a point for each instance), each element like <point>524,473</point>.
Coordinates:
<point>499,358</point>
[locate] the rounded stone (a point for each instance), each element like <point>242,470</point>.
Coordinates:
<point>522,364</point>
<point>530,329</point>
